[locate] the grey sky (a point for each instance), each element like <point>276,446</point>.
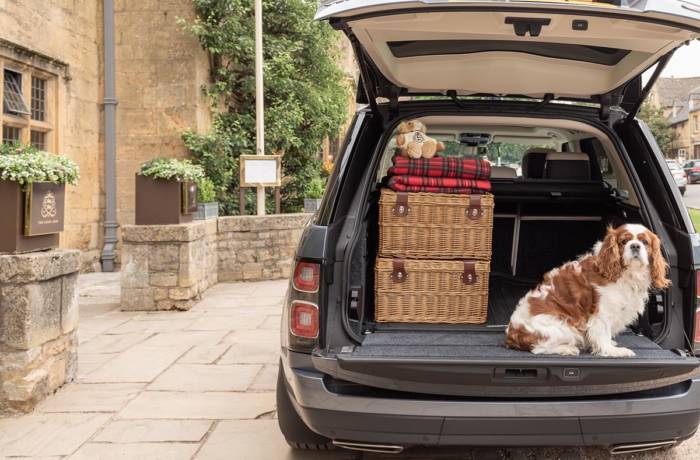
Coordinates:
<point>685,63</point>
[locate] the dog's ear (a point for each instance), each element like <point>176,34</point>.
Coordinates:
<point>609,259</point>
<point>657,264</point>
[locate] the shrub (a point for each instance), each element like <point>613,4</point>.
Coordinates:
<point>25,165</point>
<point>306,93</point>
<point>316,188</point>
<point>172,169</point>
<point>206,191</point>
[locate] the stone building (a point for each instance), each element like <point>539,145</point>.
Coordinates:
<point>52,61</point>
<point>680,100</point>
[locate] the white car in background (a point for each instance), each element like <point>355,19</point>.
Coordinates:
<point>678,174</point>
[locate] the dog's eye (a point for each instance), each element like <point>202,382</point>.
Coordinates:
<point>624,241</point>
<point>645,242</point>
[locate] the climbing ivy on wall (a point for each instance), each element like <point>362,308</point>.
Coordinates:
<point>305,93</point>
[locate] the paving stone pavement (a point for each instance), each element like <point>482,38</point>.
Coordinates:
<point>196,384</point>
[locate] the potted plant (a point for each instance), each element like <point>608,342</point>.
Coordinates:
<point>166,191</point>
<point>32,197</point>
<point>207,207</point>
<point>312,200</point>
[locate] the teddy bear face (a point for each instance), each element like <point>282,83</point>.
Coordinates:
<point>411,126</point>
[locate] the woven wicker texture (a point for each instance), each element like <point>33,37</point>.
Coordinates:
<point>435,227</point>
<point>432,292</point>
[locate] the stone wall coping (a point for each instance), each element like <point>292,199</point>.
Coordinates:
<point>262,223</point>
<point>190,231</point>
<point>38,266</point>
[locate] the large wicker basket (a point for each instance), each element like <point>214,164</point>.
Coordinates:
<point>435,225</point>
<point>431,291</point>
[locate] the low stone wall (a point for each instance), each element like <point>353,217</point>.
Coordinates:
<point>167,267</point>
<point>38,326</point>
<point>253,248</point>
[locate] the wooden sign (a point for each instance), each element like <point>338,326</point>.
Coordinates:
<point>265,170</point>
<point>189,197</point>
<point>44,206</point>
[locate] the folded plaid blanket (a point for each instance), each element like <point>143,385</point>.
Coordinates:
<point>405,183</point>
<point>441,167</point>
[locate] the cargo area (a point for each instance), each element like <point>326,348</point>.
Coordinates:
<point>540,220</point>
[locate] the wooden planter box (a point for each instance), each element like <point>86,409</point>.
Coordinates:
<point>164,202</point>
<point>43,205</point>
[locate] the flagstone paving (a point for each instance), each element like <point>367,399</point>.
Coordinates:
<point>197,384</point>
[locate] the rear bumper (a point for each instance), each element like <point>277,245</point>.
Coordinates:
<point>479,421</point>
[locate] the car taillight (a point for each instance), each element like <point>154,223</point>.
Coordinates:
<point>696,333</point>
<point>306,277</point>
<point>304,320</point>
<point>302,313</point>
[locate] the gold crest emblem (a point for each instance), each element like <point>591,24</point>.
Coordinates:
<point>48,206</point>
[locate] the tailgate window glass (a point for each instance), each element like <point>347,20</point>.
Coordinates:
<point>582,53</point>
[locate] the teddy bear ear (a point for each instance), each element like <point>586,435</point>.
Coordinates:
<point>403,127</point>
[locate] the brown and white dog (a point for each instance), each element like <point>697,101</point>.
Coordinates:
<point>587,302</point>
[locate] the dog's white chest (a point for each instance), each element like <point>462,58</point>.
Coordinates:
<point>621,303</point>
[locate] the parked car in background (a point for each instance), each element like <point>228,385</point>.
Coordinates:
<point>679,175</point>
<point>692,170</point>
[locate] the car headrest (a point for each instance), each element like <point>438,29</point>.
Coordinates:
<point>503,172</point>
<point>567,166</point>
<point>533,162</point>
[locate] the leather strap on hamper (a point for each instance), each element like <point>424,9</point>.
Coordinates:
<point>469,273</point>
<point>401,207</point>
<point>398,272</point>
<point>474,212</point>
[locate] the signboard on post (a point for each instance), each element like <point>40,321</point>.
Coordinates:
<point>261,170</point>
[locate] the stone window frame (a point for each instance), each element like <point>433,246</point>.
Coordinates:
<point>30,63</point>
<point>25,122</point>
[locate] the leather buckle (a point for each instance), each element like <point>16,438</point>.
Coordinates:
<point>401,207</point>
<point>398,273</point>
<point>469,275</point>
<point>474,212</point>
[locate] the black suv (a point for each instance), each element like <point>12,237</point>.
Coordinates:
<point>523,84</point>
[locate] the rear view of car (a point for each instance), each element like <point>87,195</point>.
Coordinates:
<point>679,175</point>
<point>505,81</point>
<point>692,170</point>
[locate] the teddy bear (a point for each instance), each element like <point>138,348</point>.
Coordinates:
<point>412,142</point>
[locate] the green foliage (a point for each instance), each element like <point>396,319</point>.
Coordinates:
<point>305,92</point>
<point>206,191</point>
<point>695,217</point>
<point>316,188</point>
<point>26,164</point>
<point>172,169</point>
<point>660,126</point>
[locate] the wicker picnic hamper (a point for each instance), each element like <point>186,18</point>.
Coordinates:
<point>431,291</point>
<point>435,225</point>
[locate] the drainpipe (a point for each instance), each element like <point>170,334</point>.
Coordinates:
<point>110,108</point>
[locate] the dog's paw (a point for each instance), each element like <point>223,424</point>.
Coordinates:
<point>616,352</point>
<point>567,350</point>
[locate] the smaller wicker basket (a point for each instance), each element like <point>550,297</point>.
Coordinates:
<point>435,225</point>
<point>431,291</point>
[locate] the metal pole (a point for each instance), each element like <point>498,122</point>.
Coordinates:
<point>259,94</point>
<point>110,108</point>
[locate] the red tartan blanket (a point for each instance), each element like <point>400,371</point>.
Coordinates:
<point>448,167</point>
<point>407,183</point>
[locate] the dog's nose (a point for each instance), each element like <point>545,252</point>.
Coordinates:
<point>635,247</point>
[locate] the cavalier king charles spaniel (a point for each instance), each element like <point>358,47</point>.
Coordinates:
<point>585,303</point>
